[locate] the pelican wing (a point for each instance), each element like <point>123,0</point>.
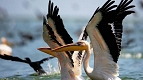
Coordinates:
<point>12,58</point>
<point>104,39</point>
<point>105,8</point>
<point>103,33</point>
<point>56,23</point>
<point>115,17</point>
<point>110,37</point>
<point>54,33</point>
<point>121,12</point>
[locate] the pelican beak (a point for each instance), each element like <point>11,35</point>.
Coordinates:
<point>47,51</point>
<point>71,47</point>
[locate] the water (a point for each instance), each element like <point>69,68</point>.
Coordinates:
<point>130,68</point>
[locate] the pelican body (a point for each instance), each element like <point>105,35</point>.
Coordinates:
<point>106,43</point>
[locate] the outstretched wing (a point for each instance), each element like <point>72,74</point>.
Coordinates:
<point>115,17</point>
<point>54,33</point>
<point>56,23</point>
<point>113,35</point>
<point>104,41</point>
<point>12,58</point>
<point>105,8</point>
<point>45,59</point>
<point>121,12</point>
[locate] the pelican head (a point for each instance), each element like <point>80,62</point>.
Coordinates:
<point>6,42</point>
<point>3,40</point>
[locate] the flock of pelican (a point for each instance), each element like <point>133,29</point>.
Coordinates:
<point>104,31</point>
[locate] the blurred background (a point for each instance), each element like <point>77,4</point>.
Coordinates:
<point>21,24</point>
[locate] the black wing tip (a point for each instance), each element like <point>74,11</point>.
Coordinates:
<point>44,20</point>
<point>107,4</point>
<point>122,12</point>
<point>125,4</point>
<point>59,26</point>
<point>105,8</point>
<point>45,59</point>
<point>52,10</point>
<point>48,58</point>
<point>123,9</point>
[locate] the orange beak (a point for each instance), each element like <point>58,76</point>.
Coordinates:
<point>70,47</point>
<point>47,51</point>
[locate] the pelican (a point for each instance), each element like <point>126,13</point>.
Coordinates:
<point>105,41</point>
<point>5,47</point>
<point>35,65</point>
<point>55,35</point>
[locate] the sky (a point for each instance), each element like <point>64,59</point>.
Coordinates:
<point>83,8</point>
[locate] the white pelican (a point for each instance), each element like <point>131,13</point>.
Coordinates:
<point>105,40</point>
<point>5,47</point>
<point>55,35</point>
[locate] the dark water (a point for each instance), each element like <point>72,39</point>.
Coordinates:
<point>130,68</point>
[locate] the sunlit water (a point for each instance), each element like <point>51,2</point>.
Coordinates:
<point>130,68</point>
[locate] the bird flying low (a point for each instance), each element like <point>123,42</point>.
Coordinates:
<point>105,40</point>
<point>35,65</point>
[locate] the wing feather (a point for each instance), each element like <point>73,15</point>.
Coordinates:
<point>12,58</point>
<point>54,32</point>
<point>45,59</point>
<point>116,16</point>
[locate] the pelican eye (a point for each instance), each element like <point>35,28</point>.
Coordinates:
<point>80,43</point>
